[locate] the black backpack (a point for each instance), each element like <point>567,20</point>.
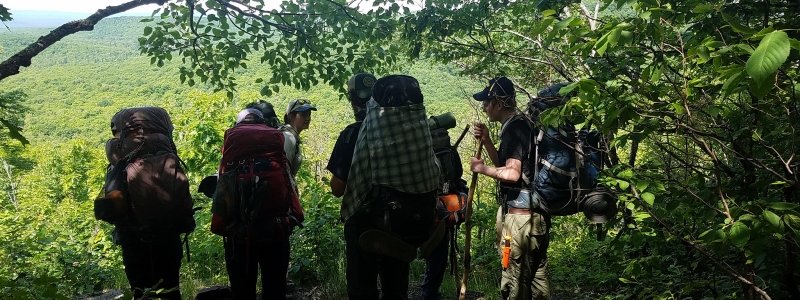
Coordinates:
<point>566,164</point>
<point>452,187</point>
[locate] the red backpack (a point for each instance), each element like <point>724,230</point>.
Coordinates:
<point>254,189</point>
<point>146,186</point>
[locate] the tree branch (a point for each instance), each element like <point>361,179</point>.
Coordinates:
<point>12,65</point>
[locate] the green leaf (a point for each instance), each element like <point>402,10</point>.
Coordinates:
<point>627,174</point>
<point>703,8</point>
<point>739,234</point>
<point>148,30</point>
<point>623,184</point>
<point>781,206</point>
<point>794,43</point>
<point>772,218</point>
<point>770,54</point>
<point>548,13</point>
<point>648,198</point>
<point>793,222</point>
<point>732,83</point>
<point>625,280</point>
<point>738,27</point>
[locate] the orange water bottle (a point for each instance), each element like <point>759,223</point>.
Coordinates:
<point>506,251</point>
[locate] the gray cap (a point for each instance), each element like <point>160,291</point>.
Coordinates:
<point>257,115</point>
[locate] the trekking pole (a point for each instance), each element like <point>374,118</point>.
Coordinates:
<point>462,294</point>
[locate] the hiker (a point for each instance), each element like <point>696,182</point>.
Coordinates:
<point>452,193</point>
<point>525,229</point>
<point>296,119</point>
<point>251,207</point>
<point>390,190</point>
<point>359,91</point>
<point>148,217</point>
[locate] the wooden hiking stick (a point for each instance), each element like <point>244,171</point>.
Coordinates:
<point>462,294</point>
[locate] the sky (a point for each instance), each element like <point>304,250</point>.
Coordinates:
<point>78,6</point>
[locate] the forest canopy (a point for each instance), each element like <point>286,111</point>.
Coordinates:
<point>698,102</point>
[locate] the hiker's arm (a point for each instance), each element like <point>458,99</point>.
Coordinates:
<point>491,152</point>
<point>337,186</point>
<point>510,172</point>
<point>482,133</point>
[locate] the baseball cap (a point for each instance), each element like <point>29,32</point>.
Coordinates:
<point>499,87</point>
<point>299,105</point>
<point>249,112</point>
<point>360,85</point>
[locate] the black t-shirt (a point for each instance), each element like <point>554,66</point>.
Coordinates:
<point>342,155</point>
<point>515,142</point>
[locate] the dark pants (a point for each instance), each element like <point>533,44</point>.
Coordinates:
<point>364,268</point>
<point>152,263</point>
<point>435,266</point>
<point>244,256</point>
<point>406,216</point>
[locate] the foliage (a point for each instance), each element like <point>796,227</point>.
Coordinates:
<point>700,96</point>
<point>304,42</point>
<point>73,92</point>
<point>698,100</point>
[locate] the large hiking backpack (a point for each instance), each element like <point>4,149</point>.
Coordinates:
<point>146,186</point>
<point>453,188</point>
<point>566,164</point>
<point>254,191</point>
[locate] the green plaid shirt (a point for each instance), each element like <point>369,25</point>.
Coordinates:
<point>393,150</point>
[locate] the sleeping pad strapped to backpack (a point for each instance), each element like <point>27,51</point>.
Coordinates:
<point>146,187</point>
<point>254,190</point>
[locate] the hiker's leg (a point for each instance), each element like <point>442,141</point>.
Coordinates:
<point>362,269</point>
<point>136,259</point>
<point>242,270</point>
<point>394,278</point>
<point>274,260</point>
<point>539,242</point>
<point>435,266</point>
<point>514,281</point>
<point>167,256</point>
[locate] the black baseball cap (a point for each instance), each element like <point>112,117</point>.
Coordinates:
<point>499,87</point>
<point>360,86</point>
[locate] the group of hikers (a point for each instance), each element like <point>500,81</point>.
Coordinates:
<point>395,169</point>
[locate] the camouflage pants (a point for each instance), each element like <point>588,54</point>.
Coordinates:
<point>526,276</point>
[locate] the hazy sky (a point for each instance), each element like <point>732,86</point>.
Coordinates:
<point>86,6</point>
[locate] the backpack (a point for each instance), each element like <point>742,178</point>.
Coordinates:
<point>254,191</point>
<point>566,164</point>
<point>146,187</point>
<point>453,187</point>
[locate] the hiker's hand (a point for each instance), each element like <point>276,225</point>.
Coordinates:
<point>476,165</point>
<point>480,132</point>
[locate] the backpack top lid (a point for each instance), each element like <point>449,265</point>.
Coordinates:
<point>267,110</point>
<point>249,115</point>
<point>547,98</point>
<point>149,118</point>
<point>397,90</point>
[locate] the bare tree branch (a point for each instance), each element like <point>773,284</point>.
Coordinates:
<point>23,58</point>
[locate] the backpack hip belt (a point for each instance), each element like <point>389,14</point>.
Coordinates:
<point>523,200</point>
